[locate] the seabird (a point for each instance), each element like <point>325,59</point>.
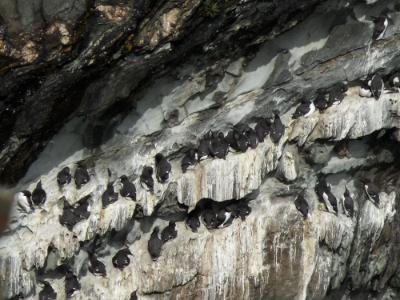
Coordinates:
<point>128,189</point>
<point>96,267</point>
<point>24,202</point>
<point>190,159</point>
<point>39,195</point>
<point>133,296</point>
<point>262,129</point>
<point>209,218</point>
<point>224,218</point>
<point>68,217</point>
<point>218,146</point>
<point>348,203</point>
<point>237,141</point>
<point>302,205</point>
<point>82,208</point>
<point>251,137</point>
<point>321,101</point>
<point>365,90</point>
<point>163,168</point>
<point>380,25</point>
<point>337,93</point>
<point>169,232</point>
<point>306,108</point>
<point>377,86</point>
<point>121,259</point>
<point>81,176</point>
<point>155,244</point>
<point>332,201</point>
<point>204,147</point>
<point>372,191</point>
<point>239,209</point>
<point>73,214</point>
<point>146,179</point>
<point>109,196</point>
<point>192,221</point>
<point>72,284</point>
<point>323,191</point>
<point>64,177</point>
<point>395,81</point>
<point>277,129</point>
<point>47,293</point>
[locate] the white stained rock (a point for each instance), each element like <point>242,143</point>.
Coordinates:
<point>287,167</point>
<point>353,118</point>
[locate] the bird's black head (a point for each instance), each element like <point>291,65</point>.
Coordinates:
<point>27,193</point>
<point>159,157</point>
<point>123,178</point>
<point>147,171</point>
<point>155,230</point>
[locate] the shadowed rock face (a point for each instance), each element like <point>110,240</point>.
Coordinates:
<point>107,86</point>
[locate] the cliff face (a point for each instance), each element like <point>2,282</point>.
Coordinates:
<point>111,85</point>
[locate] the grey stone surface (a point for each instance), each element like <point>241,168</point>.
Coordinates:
<point>137,107</point>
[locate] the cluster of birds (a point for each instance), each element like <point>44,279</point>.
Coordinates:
<point>239,139</point>
<point>212,145</point>
<point>373,86</point>
<point>328,199</point>
<point>213,215</point>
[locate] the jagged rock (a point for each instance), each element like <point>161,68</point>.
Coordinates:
<point>110,85</point>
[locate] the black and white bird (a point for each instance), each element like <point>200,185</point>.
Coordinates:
<point>277,129</point>
<point>121,259</point>
<point>146,179</point>
<point>323,191</point>
<point>219,147</point>
<point>365,90</point>
<point>306,108</point>
<point>169,232</point>
<point>47,293</point>
<point>321,100</point>
<point>133,296</point>
<point>262,129</point>
<point>154,244</point>
<point>372,191</point>
<point>203,150</point>
<point>237,140</point>
<point>239,209</point>
<point>163,168</point>
<point>96,267</point>
<point>68,217</point>
<point>348,203</point>
<point>251,137</point>
<point>72,284</point>
<point>109,196</point>
<point>224,217</point>
<point>394,81</point>
<point>192,221</point>
<point>302,205</point>
<point>381,23</point>
<point>377,86</point>
<point>209,218</point>
<point>128,189</point>
<point>337,93</point>
<point>81,176</point>
<point>190,160</point>
<point>24,202</point>
<point>39,194</point>
<point>64,177</point>
<point>72,215</point>
<point>82,208</point>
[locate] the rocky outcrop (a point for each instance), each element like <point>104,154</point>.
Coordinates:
<point>155,79</point>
